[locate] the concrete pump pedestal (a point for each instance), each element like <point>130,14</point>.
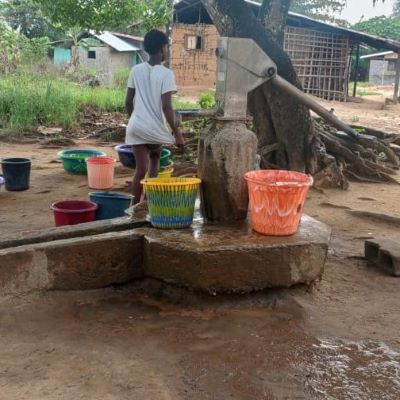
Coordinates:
<point>232,258</point>
<point>215,258</point>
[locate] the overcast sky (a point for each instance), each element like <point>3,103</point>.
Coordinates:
<point>357,8</point>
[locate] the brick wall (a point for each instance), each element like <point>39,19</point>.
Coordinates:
<point>198,68</point>
<point>194,67</point>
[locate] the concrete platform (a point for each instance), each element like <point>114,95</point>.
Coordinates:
<point>214,258</point>
<point>70,264</point>
<point>72,231</point>
<point>232,258</point>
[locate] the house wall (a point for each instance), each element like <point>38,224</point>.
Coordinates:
<point>379,73</point>
<point>62,56</point>
<point>320,58</point>
<point>107,62</point>
<point>194,67</point>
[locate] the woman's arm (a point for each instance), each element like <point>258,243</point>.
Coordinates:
<point>130,95</point>
<point>166,99</point>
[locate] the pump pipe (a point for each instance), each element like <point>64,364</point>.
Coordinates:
<point>309,102</point>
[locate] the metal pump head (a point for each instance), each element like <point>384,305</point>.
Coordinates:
<point>241,67</point>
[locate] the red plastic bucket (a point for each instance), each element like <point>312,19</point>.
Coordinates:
<point>73,212</point>
<point>100,172</point>
<point>277,200</point>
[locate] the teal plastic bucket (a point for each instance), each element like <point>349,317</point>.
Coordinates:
<point>165,158</point>
<point>110,204</point>
<point>74,161</point>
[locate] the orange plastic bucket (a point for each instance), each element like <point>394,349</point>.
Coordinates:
<point>100,172</point>
<point>277,200</point>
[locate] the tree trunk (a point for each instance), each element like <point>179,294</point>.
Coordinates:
<point>271,108</point>
<point>288,138</point>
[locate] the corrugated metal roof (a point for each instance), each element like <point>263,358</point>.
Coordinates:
<point>193,11</point>
<point>115,42</point>
<point>125,35</point>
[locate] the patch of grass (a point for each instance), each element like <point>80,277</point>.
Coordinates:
<point>26,103</point>
<point>362,89</point>
<point>360,84</point>
<point>182,104</point>
<point>361,92</point>
<point>28,100</point>
<point>121,78</point>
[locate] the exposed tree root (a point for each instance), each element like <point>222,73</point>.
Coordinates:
<point>357,160</point>
<point>335,157</point>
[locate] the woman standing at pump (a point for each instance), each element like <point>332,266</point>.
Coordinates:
<point>151,85</point>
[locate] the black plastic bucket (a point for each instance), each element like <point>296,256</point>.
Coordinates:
<point>16,172</point>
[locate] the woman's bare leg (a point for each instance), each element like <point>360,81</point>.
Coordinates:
<point>142,164</point>
<point>154,154</point>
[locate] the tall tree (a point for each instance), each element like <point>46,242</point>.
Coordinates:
<point>270,107</point>
<point>298,144</point>
<point>26,17</point>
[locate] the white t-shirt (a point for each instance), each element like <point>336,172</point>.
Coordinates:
<point>147,124</point>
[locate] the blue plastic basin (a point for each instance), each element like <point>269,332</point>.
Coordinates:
<point>110,204</point>
<point>126,156</point>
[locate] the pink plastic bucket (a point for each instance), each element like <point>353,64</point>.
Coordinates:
<point>100,172</point>
<point>277,200</point>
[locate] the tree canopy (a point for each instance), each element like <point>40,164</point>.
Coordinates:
<point>103,15</point>
<point>323,10</point>
<point>388,27</point>
<point>396,8</point>
<point>26,17</point>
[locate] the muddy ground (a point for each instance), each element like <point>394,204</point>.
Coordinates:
<point>337,339</point>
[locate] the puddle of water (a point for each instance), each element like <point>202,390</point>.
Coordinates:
<point>353,370</point>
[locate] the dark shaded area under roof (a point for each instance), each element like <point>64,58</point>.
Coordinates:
<point>193,11</point>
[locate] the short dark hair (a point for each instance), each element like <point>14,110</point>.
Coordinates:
<point>154,41</point>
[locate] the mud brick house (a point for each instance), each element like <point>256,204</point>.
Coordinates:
<point>105,53</point>
<point>320,52</point>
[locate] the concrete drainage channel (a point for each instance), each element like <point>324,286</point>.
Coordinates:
<point>211,258</point>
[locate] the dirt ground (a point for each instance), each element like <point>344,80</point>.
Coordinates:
<point>337,339</point>
<point>369,111</point>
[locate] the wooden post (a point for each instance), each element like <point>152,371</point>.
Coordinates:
<point>397,80</point>
<point>356,70</point>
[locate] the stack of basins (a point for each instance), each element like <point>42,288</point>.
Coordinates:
<point>101,205</point>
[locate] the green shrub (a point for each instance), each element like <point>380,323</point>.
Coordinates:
<point>207,99</point>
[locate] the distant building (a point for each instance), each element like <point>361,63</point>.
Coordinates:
<point>382,68</point>
<point>320,52</point>
<point>105,53</point>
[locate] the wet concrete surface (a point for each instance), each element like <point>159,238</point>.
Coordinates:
<point>172,344</point>
<point>227,258</point>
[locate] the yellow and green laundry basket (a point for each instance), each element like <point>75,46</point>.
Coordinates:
<point>171,201</point>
